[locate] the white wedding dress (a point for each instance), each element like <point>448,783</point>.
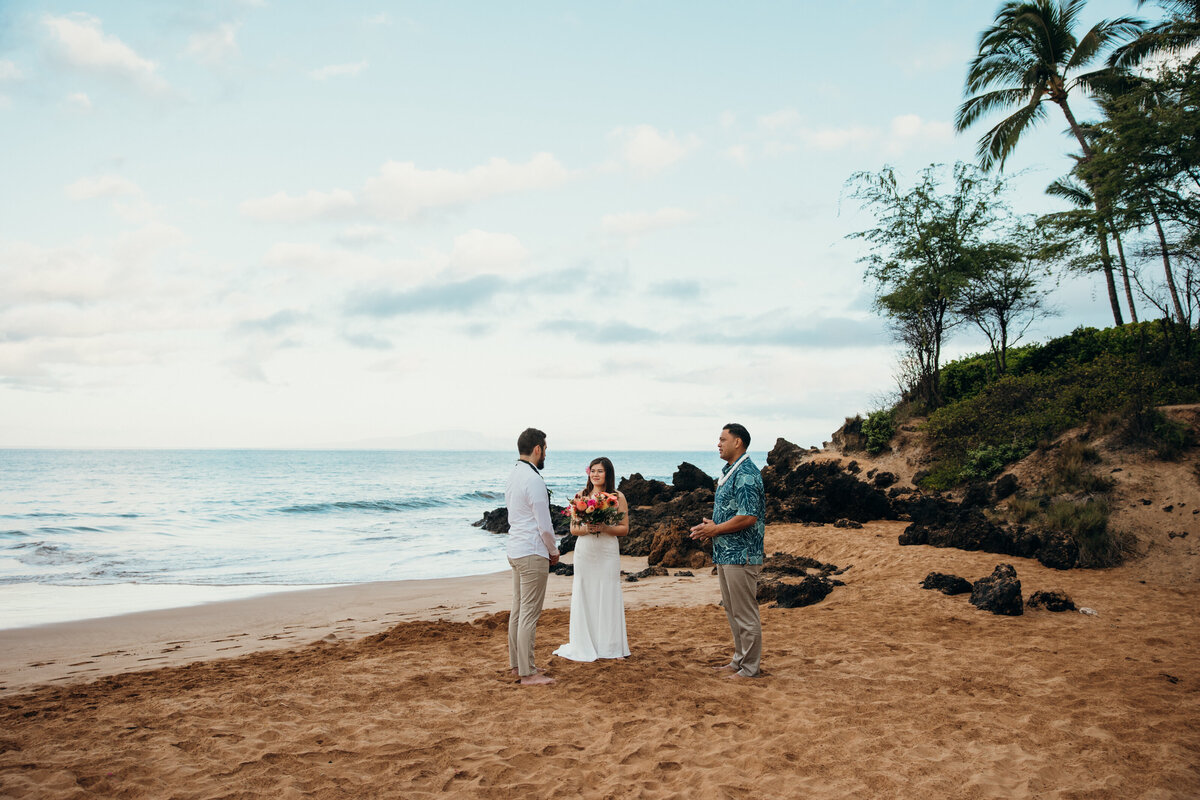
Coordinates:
<point>597,610</point>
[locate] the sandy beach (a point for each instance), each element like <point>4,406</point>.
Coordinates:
<point>401,690</point>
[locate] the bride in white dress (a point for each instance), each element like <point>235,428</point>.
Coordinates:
<point>597,610</point>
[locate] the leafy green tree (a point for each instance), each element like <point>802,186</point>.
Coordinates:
<point>1029,55</point>
<point>1003,296</point>
<point>1176,35</point>
<point>1147,160</point>
<point>926,246</point>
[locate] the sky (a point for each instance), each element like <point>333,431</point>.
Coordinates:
<point>273,224</point>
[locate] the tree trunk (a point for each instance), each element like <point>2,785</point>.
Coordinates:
<point>1162,243</point>
<point>1102,212</point>
<point>1125,276</point>
<point>1106,263</point>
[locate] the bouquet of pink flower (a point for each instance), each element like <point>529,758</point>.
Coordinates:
<point>599,509</point>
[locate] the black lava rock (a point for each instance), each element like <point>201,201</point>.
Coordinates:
<point>999,593</point>
<point>1052,601</point>
<point>812,589</point>
<point>1005,486</point>
<point>689,477</point>
<point>1059,550</point>
<point>946,584</point>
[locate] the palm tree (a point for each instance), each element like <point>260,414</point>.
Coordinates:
<point>1079,195</point>
<point>1030,55</point>
<point>1176,35</point>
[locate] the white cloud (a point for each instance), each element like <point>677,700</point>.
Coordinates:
<point>139,246</point>
<point>338,71</point>
<point>782,121</point>
<point>911,126</point>
<point>9,71</point>
<point>32,274</point>
<point>301,260</point>
<point>839,138</point>
<point>478,250</point>
<point>786,131</point>
<point>78,101</point>
<point>379,19</point>
<point>80,40</point>
<point>737,153</point>
<point>636,223</point>
<point>359,235</point>
<point>647,150</point>
<point>402,190</point>
<point>215,46</point>
<point>283,207</point>
<point>102,186</point>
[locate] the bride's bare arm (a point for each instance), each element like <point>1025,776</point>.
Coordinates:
<point>622,527</point>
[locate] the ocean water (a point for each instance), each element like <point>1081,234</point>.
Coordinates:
<point>160,528</point>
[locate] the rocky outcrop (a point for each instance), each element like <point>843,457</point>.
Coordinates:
<point>946,584</point>
<point>811,589</point>
<point>819,491</point>
<point>788,564</point>
<point>690,477</point>
<point>1052,601</point>
<point>672,546</point>
<point>849,438</point>
<point>999,593</point>
<point>496,521</point>
<point>1059,550</point>
<point>940,522</point>
<point>640,492</point>
<point>660,531</point>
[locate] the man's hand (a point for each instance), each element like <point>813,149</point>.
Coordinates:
<point>705,530</point>
<point>554,558</point>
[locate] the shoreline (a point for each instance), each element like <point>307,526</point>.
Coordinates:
<point>62,652</point>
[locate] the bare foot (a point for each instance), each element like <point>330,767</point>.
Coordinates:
<point>536,680</point>
<point>725,668</point>
<point>515,674</point>
<point>741,676</point>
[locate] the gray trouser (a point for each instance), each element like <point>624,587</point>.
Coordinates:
<point>739,595</point>
<point>529,592</point>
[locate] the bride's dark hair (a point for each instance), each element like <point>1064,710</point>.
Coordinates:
<point>610,481</point>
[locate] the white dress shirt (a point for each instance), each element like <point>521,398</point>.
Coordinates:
<point>530,531</point>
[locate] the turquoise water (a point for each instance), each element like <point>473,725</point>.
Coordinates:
<point>252,518</point>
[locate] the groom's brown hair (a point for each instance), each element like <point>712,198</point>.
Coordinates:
<point>529,439</point>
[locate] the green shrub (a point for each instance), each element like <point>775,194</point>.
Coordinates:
<point>1022,509</point>
<point>984,462</point>
<point>1087,524</point>
<point>1146,425</point>
<point>878,428</point>
<point>1072,471</point>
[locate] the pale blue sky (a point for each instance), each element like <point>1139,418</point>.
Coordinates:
<point>284,224</point>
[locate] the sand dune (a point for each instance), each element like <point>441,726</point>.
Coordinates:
<point>881,690</point>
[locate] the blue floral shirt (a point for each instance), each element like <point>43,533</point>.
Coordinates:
<point>741,494</point>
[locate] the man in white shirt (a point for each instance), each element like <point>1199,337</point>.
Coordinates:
<point>531,552</point>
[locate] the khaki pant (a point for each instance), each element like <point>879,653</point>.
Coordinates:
<point>739,595</point>
<point>529,592</point>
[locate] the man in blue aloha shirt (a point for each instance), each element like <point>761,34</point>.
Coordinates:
<point>736,531</point>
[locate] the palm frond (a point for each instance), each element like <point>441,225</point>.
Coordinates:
<point>1072,191</point>
<point>980,105</point>
<point>1102,35</point>
<point>996,145</point>
<point>1001,66</point>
